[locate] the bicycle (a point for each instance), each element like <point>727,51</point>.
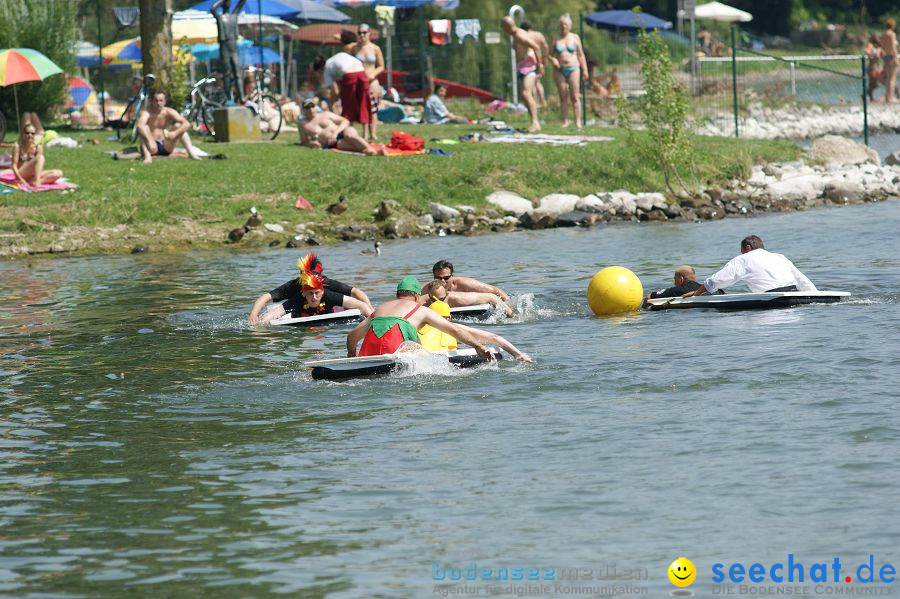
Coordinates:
<point>199,108</point>
<point>136,103</point>
<point>264,105</point>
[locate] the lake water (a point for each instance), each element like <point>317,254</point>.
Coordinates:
<point>153,445</point>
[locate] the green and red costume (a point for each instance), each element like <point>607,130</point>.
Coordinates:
<point>387,333</point>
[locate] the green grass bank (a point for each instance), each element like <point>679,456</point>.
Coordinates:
<point>177,203</point>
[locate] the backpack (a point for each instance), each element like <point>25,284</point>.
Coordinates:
<point>405,141</point>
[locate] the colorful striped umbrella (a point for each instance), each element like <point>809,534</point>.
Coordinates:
<point>79,90</point>
<point>18,65</point>
<point>123,52</point>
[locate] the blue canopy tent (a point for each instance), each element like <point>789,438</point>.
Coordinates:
<point>626,19</point>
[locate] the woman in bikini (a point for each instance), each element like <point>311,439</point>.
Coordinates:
<point>28,154</point>
<point>373,62</point>
<point>873,57</point>
<point>889,56</point>
<point>570,67</point>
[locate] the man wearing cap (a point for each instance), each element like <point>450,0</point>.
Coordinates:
<point>399,320</point>
<point>331,294</point>
<point>328,130</point>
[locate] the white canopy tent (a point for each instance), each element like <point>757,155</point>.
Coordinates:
<point>717,11</point>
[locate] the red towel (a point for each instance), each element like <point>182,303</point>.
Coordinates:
<point>355,97</point>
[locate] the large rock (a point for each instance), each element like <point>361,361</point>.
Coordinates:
<point>893,159</point>
<point>624,202</point>
<point>442,213</point>
<point>598,204</point>
<point>835,149</point>
<point>537,219</point>
<point>803,188</point>
<point>558,203</point>
<point>576,218</point>
<point>510,203</point>
<point>649,201</point>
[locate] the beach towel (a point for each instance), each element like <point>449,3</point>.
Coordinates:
<point>388,151</point>
<point>8,178</point>
<point>466,28</point>
<point>405,141</point>
<point>439,32</point>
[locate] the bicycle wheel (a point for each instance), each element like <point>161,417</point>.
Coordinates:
<point>269,112</point>
<point>206,111</point>
<point>138,107</point>
<point>2,127</point>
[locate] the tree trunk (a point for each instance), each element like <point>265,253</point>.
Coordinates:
<point>156,40</point>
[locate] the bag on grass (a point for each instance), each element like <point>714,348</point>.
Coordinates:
<point>405,141</point>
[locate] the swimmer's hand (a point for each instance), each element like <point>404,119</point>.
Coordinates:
<point>523,357</point>
<point>484,353</point>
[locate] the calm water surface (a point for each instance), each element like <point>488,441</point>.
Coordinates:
<point>153,445</point>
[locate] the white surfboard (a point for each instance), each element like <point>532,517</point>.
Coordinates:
<point>472,311</point>
<point>320,319</point>
<point>344,368</point>
<point>749,301</point>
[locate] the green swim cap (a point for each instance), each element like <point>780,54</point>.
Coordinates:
<point>409,283</point>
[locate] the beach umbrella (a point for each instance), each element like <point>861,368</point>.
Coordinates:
<point>252,55</point>
<point>87,54</point>
<point>79,90</point>
<point>445,4</point>
<point>626,19</point>
<point>326,34</point>
<point>124,52</point>
<point>717,11</point>
<point>193,27</point>
<point>263,7</point>
<point>18,65</point>
<point>307,10</point>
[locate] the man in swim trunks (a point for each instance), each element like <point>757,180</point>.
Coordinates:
<point>399,320</point>
<point>466,291</point>
<point>530,66</point>
<point>761,270</point>
<point>160,128</point>
<point>541,41</point>
<point>336,293</point>
<point>328,130</point>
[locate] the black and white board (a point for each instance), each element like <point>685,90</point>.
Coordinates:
<point>322,319</point>
<point>749,301</point>
<point>475,311</point>
<point>345,368</point>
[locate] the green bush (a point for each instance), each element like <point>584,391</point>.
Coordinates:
<point>47,26</point>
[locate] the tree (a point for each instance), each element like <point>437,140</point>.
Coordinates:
<point>156,40</point>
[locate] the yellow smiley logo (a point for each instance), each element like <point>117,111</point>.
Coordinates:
<point>682,572</point>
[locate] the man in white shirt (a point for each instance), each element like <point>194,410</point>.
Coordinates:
<point>344,75</point>
<point>759,269</point>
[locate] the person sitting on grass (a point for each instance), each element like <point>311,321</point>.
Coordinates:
<point>160,128</point>
<point>327,130</point>
<point>436,112</point>
<point>28,154</point>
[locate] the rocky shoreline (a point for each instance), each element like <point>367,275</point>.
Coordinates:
<point>803,122</point>
<point>838,172</point>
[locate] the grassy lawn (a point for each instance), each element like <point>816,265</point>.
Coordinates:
<point>271,175</point>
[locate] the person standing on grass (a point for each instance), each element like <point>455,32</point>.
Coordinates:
<point>889,56</point>
<point>344,75</point>
<point>570,67</point>
<point>529,66</point>
<point>541,41</point>
<point>873,57</point>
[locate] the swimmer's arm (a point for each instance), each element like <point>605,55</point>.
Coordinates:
<point>355,336</point>
<point>470,284</point>
<point>258,305</point>
<point>359,294</point>
<point>351,302</point>
<point>487,337</point>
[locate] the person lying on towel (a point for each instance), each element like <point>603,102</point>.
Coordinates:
<point>325,129</point>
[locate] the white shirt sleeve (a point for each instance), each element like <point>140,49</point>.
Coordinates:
<point>730,274</point>
<point>803,284</point>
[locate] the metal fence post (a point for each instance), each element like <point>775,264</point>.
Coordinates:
<point>865,99</point>
<point>734,77</point>
<point>793,66</point>
<point>583,83</point>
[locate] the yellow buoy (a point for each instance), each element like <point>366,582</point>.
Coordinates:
<point>615,289</point>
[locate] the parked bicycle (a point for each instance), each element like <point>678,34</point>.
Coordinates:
<point>204,99</point>
<point>137,102</point>
<point>263,104</point>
